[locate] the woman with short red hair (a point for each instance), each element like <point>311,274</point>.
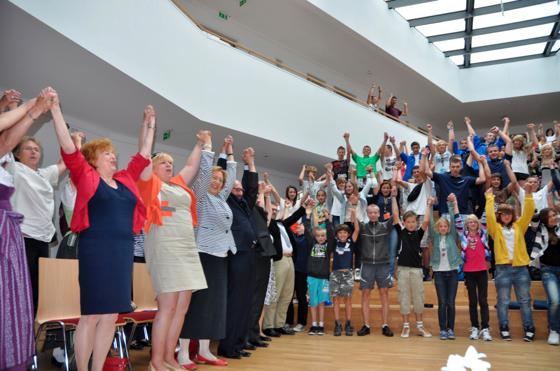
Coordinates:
<point>108,210</point>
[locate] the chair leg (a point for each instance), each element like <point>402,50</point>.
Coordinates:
<point>125,345</point>
<point>35,363</point>
<point>65,343</point>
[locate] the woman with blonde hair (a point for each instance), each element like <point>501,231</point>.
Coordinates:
<point>476,255</point>
<point>206,318</point>
<point>170,246</point>
<point>107,212</point>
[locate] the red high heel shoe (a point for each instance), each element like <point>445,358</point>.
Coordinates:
<point>203,361</point>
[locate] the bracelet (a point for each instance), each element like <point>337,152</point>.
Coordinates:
<point>151,126</point>
<point>229,154</point>
<point>206,146</point>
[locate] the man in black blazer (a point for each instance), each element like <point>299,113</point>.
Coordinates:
<point>241,266</point>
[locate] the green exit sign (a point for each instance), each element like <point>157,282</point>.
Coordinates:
<point>223,15</point>
<point>242,2</point>
<point>167,134</point>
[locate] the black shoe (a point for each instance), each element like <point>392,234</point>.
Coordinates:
<point>258,343</point>
<point>504,333</point>
<point>271,332</point>
<point>244,354</point>
<point>231,355</point>
<point>312,330</point>
<point>337,328</point>
<point>265,338</point>
<point>529,334</point>
<point>285,330</point>
<point>320,330</point>
<point>349,329</point>
<point>365,330</point>
<point>249,346</point>
<point>386,331</point>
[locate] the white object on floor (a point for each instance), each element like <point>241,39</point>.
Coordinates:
<point>472,360</point>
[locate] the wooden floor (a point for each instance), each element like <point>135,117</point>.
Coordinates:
<point>376,352</point>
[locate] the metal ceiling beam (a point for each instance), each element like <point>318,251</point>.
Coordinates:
<point>492,29</point>
<point>554,34</point>
<point>468,31</point>
<point>400,3</point>
<point>508,60</point>
<point>476,12</point>
<point>511,44</point>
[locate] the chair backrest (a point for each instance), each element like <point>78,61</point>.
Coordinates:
<point>143,292</point>
<point>59,290</point>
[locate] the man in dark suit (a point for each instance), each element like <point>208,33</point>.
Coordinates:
<point>241,266</point>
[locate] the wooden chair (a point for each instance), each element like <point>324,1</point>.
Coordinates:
<point>59,299</point>
<point>144,298</point>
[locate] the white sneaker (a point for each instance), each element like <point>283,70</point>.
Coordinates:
<point>58,354</point>
<point>405,331</point>
<point>554,338</point>
<point>299,328</point>
<point>357,274</point>
<point>423,332</point>
<point>486,334</point>
<point>474,333</point>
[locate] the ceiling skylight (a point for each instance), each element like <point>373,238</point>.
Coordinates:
<point>486,31</point>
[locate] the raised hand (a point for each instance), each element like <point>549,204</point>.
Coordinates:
<point>403,143</point>
<point>266,177</point>
<point>385,136</point>
<point>452,198</point>
<point>449,125</point>
<point>326,213</point>
<point>531,126</point>
<point>10,98</point>
<point>47,99</point>
<point>467,120</point>
<point>495,129</point>
<point>78,138</point>
<point>267,189</point>
<point>393,191</point>
<point>204,137</point>
<point>431,201</point>
<point>425,151</point>
<point>528,188</point>
<point>346,135</point>
<point>506,120</point>
<point>248,155</point>
<point>328,166</point>
<point>149,116</point>
<point>392,139</point>
<point>429,127</point>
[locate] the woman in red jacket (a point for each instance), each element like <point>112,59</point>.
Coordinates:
<point>108,210</point>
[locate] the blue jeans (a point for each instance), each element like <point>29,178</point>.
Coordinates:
<point>393,240</point>
<point>551,283</point>
<point>446,289</point>
<point>505,277</point>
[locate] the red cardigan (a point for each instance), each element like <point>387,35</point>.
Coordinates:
<point>86,179</point>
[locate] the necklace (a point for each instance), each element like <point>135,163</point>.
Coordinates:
<point>472,242</point>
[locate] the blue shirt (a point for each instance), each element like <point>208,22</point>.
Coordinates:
<point>342,255</point>
<point>458,185</point>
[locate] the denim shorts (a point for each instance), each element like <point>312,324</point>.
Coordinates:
<point>372,274</point>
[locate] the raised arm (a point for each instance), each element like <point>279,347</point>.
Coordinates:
<point>450,136</point>
<point>426,221</point>
<point>425,165</point>
<point>453,205</point>
<point>381,149</point>
<point>356,223</point>
<point>491,222</point>
<point>405,109</point>
<point>231,172</point>
<point>470,145</point>
<point>528,209</point>
<point>532,134</point>
<point>273,190</point>
<point>507,140</point>
<point>15,123</point>
<point>394,205</point>
<point>349,150</point>
<point>62,132</point>
<point>513,185</point>
<point>250,180</point>
<point>468,124</point>
<point>10,98</point>
<point>481,176</point>
<point>203,178</point>
<point>506,120</point>
<point>430,138</point>
<point>301,176</point>
<point>192,165</point>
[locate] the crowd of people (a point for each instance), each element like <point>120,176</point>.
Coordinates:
<point>448,210</point>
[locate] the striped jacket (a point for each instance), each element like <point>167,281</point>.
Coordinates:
<point>213,234</point>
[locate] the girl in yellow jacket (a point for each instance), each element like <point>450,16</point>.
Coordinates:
<point>512,260</point>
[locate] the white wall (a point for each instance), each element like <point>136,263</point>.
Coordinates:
<point>387,29</point>
<point>214,82</point>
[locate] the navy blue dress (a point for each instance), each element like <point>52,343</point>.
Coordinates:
<point>105,252</point>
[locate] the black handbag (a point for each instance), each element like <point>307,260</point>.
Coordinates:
<point>68,248</point>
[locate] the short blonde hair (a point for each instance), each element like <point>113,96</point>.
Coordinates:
<point>91,149</point>
<point>473,218</point>
<point>160,157</point>
<point>224,174</point>
<point>24,140</point>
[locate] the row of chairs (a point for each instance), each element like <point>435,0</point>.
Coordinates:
<point>59,305</point>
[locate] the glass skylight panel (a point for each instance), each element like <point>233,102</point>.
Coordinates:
<point>450,44</point>
<point>483,3</point>
<point>518,51</point>
<point>431,8</point>
<point>512,35</point>
<point>458,59</point>
<point>442,27</point>
<point>556,46</point>
<point>516,15</point>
